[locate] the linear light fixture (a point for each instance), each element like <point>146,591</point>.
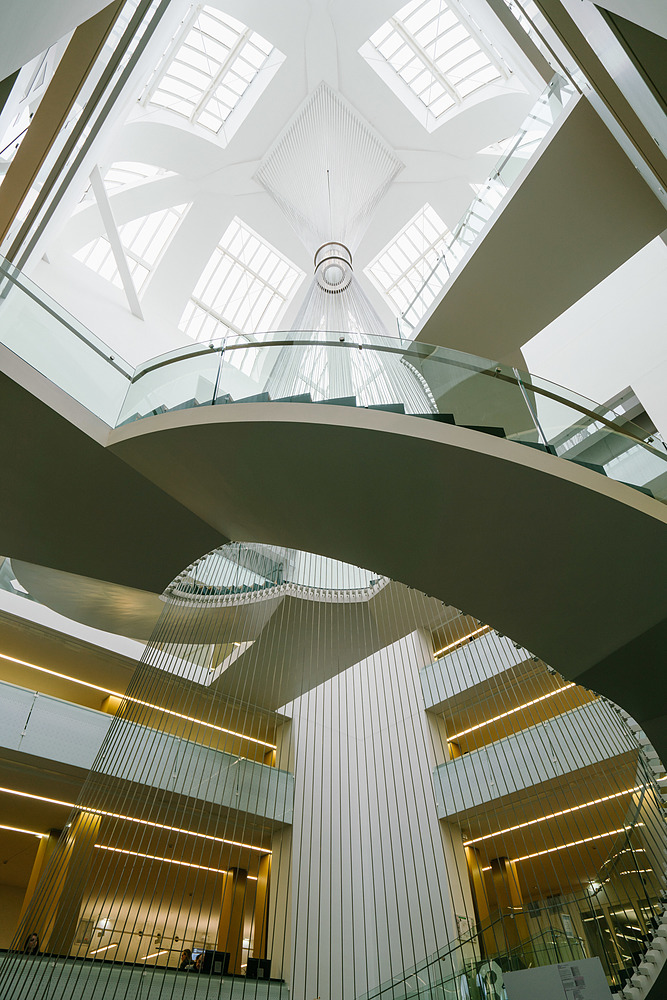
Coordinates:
<point>553,815</point>
<point>638,871</point>
<point>575,843</point>
<point>106,948</point>
<point>167,861</point>
<point>18,829</point>
<point>154,955</point>
<point>130,819</point>
<point>137,701</point>
<point>511,711</point>
<point>461,642</point>
<point>156,857</point>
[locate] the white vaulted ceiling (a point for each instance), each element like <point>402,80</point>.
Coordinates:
<point>314,42</point>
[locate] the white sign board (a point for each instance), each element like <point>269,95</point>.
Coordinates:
<point>579,980</point>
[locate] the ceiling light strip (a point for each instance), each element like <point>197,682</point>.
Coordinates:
<point>167,861</point>
<point>106,948</point>
<point>553,815</point>
<point>137,701</point>
<point>511,711</point>
<point>132,819</point>
<point>462,642</point>
<point>574,843</point>
<point>18,829</point>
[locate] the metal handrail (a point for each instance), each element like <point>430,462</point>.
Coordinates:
<point>424,351</point>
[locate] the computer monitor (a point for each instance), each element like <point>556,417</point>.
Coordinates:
<point>196,952</point>
<point>258,968</point>
<point>215,963</point>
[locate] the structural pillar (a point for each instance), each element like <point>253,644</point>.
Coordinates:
<point>47,846</point>
<point>509,901</point>
<point>488,941</point>
<point>232,914</point>
<point>261,915</point>
<point>54,911</point>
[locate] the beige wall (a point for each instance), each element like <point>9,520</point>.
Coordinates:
<point>11,898</point>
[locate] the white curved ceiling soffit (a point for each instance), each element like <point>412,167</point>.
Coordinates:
<point>320,43</point>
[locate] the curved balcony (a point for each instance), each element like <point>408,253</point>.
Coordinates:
<point>416,379</point>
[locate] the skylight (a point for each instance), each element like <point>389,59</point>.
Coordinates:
<point>244,287</point>
<point>144,241</point>
<point>124,172</point>
<point>430,58</point>
<point>401,268</point>
<point>215,64</point>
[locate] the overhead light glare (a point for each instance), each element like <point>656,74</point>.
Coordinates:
<point>154,955</point>
<point>574,843</point>
<point>511,711</point>
<point>155,857</point>
<point>463,640</point>
<point>137,701</point>
<point>18,829</point>
<point>553,815</point>
<point>130,819</point>
<point>106,948</point>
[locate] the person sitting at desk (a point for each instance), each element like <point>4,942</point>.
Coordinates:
<point>31,946</point>
<point>186,962</point>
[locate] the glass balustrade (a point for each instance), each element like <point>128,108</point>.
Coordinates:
<point>517,153</point>
<point>612,920</point>
<point>410,377</point>
<point>359,370</point>
<point>43,334</point>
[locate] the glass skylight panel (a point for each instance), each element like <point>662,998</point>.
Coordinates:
<point>401,268</point>
<point>212,64</point>
<point>144,241</point>
<point>244,287</point>
<point>431,59</point>
<point>123,173</point>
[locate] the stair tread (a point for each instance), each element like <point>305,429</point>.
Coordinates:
<point>339,401</point>
<point>485,429</point>
<point>301,397</point>
<point>589,465</point>
<point>443,418</point>
<point>389,407</point>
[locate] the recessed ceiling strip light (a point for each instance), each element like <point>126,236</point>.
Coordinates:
<point>131,819</point>
<point>167,861</point>
<point>575,843</point>
<point>18,829</point>
<point>137,701</point>
<point>463,640</point>
<point>106,948</point>
<point>553,815</point>
<point>511,711</point>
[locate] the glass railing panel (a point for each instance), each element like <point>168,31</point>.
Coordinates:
<point>475,393</point>
<point>522,148</point>
<point>582,431</point>
<point>384,371</point>
<point>53,342</point>
<point>187,382</point>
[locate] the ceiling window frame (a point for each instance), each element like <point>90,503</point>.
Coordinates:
<point>200,301</point>
<point>141,265</point>
<point>425,259</point>
<point>200,106</point>
<point>411,98</point>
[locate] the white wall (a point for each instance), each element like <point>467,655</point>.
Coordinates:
<point>370,891</point>
<point>613,337</point>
